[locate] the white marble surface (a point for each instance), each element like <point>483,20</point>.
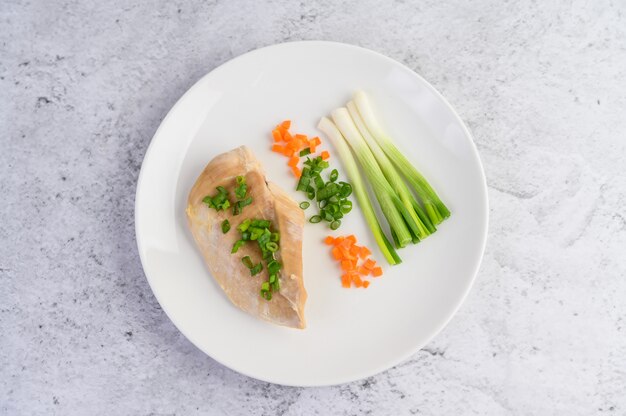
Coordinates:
<point>542,85</point>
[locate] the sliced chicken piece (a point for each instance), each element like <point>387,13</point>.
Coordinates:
<point>268,202</point>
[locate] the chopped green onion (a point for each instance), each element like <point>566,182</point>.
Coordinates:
<point>315,219</point>
<point>346,189</point>
<point>237,245</point>
<point>334,175</point>
<point>259,230</point>
<point>260,223</point>
<point>225,226</point>
<point>304,181</point>
<point>241,188</point>
<point>247,261</point>
<point>244,225</point>
<point>256,232</point>
<point>219,201</point>
<point>319,182</point>
<point>305,152</point>
<point>305,204</point>
<point>273,267</point>
<point>328,191</point>
<point>256,269</point>
<point>335,224</point>
<point>238,208</point>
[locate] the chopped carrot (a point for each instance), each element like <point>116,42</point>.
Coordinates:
<point>287,136</point>
<point>316,141</point>
<point>338,240</point>
<point>278,137</point>
<point>286,124</point>
<point>293,161</point>
<point>278,149</point>
<point>325,155</point>
<point>347,243</point>
<point>348,254</point>
<point>301,136</point>
<point>346,280</point>
<point>345,253</point>
<point>296,171</point>
<point>369,264</point>
<point>346,265</point>
<point>357,281</point>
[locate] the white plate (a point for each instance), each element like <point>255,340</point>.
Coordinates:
<point>351,334</point>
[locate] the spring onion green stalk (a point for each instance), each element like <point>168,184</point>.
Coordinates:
<point>419,228</point>
<point>331,131</point>
<point>397,216</point>
<point>435,208</point>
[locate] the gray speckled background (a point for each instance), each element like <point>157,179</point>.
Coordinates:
<point>83,87</point>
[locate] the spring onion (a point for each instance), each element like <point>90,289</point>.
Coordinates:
<point>328,127</point>
<point>418,228</point>
<point>225,226</point>
<point>247,261</point>
<point>242,187</point>
<point>219,201</point>
<point>435,208</point>
<point>259,230</point>
<point>329,196</point>
<point>256,269</point>
<point>238,207</point>
<point>390,204</point>
<point>237,245</point>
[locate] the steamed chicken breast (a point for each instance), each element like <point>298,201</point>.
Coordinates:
<point>269,202</point>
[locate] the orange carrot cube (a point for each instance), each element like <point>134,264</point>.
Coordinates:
<point>293,161</point>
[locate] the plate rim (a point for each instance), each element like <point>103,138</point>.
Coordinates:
<point>401,357</point>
